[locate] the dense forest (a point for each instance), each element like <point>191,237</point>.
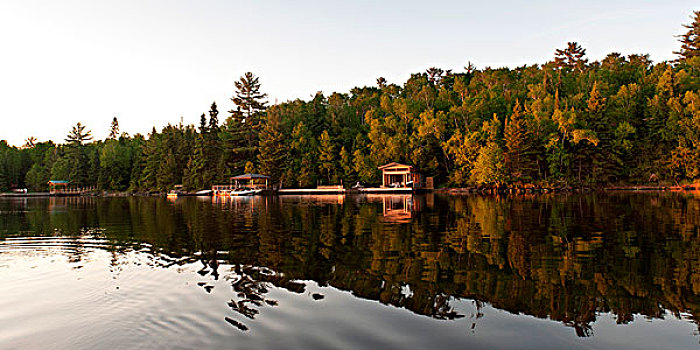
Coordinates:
<point>567,122</point>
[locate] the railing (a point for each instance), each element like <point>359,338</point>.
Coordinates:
<point>74,190</point>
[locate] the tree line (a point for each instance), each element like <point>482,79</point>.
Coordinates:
<point>569,121</point>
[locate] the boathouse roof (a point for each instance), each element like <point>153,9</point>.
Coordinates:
<point>56,182</point>
<point>249,177</point>
<point>395,165</point>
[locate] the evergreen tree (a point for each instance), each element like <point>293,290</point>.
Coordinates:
<point>151,161</point>
<point>273,154</point>
<point>571,57</point>
<point>304,156</point>
<point>346,167</point>
<point>78,161</point>
<point>114,129</point>
<point>690,40</point>
<point>327,158</point>
<point>240,134</point>
<point>214,168</point>
<point>4,180</point>
<point>193,176</point>
<point>248,97</point>
<point>78,135</point>
<point>519,152</point>
<point>30,142</point>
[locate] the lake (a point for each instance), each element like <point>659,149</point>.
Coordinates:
<point>577,271</point>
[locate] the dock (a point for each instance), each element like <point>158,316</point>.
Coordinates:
<point>340,190</point>
<point>29,194</point>
<point>387,190</point>
<point>337,189</point>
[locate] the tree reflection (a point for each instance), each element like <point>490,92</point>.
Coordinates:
<point>563,257</point>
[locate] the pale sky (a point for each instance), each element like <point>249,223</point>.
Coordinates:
<point>151,62</point>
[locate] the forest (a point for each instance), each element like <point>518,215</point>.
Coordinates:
<point>566,122</point>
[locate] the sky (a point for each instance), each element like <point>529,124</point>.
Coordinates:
<point>150,63</point>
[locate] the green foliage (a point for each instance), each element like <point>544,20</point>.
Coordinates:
<point>690,40</point>
<point>519,151</point>
<point>489,166</point>
<point>273,151</point>
<point>617,120</point>
<point>327,158</point>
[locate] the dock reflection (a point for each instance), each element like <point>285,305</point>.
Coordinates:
<point>566,258</point>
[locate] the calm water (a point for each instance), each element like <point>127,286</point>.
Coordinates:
<point>391,272</point>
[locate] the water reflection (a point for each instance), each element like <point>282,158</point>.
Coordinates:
<point>567,258</point>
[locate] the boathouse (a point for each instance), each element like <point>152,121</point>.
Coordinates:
<point>395,175</point>
<point>58,186</point>
<point>249,181</point>
<point>254,181</point>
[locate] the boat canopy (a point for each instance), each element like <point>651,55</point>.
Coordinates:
<point>250,177</point>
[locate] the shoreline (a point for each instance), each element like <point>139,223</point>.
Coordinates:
<point>449,191</point>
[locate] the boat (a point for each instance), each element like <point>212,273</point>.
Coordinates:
<point>242,192</point>
<point>175,191</point>
<point>203,193</point>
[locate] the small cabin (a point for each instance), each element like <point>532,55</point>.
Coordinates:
<point>395,175</point>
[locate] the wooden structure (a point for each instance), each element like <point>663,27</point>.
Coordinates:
<point>395,175</point>
<point>254,181</point>
<point>245,181</point>
<point>58,186</point>
<point>398,208</point>
<point>320,190</point>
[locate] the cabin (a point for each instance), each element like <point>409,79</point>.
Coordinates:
<point>395,175</point>
<point>58,186</point>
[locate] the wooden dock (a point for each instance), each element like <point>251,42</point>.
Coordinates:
<point>387,190</point>
<point>29,194</point>
<point>340,190</point>
<point>319,190</point>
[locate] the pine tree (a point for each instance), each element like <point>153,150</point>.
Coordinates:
<point>304,155</point>
<point>273,153</point>
<point>248,97</point>
<point>114,129</point>
<point>30,142</point>
<point>346,167</point>
<point>78,135</point>
<point>76,156</point>
<point>212,173</point>
<point>151,160</point>
<point>519,147</point>
<point>690,40</point>
<point>4,181</point>
<point>571,57</point>
<point>327,157</point>
<point>596,160</point>
<point>240,134</point>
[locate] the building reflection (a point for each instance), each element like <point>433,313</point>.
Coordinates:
<point>565,258</point>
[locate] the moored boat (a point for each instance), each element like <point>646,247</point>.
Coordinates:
<point>243,192</point>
